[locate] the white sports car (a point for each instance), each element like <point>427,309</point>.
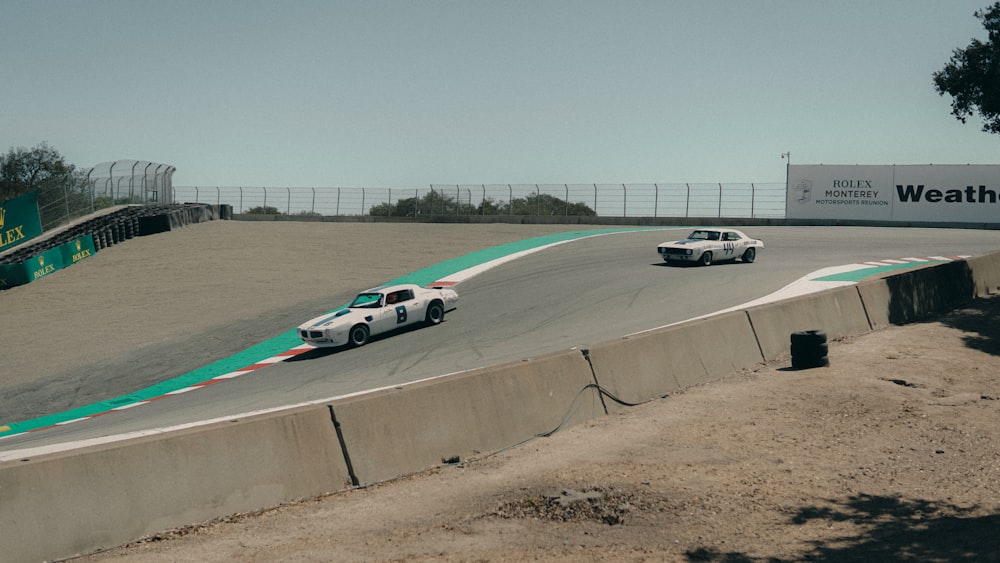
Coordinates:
<point>377,311</point>
<point>704,246</point>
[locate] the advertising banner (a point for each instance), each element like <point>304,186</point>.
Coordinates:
<point>41,265</point>
<point>76,250</point>
<point>952,193</point>
<point>44,264</point>
<point>19,220</point>
<point>12,275</point>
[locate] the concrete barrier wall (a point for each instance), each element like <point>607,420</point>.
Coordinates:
<point>838,312</point>
<point>652,364</point>
<point>84,500</point>
<point>396,432</point>
<point>916,294</point>
<point>875,296</point>
<point>986,273</point>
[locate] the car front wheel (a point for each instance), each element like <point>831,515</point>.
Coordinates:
<point>750,255</point>
<point>706,259</point>
<point>435,313</point>
<point>359,335</point>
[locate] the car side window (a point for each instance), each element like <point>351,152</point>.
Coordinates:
<point>398,297</point>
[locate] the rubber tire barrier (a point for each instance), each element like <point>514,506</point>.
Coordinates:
<point>809,349</point>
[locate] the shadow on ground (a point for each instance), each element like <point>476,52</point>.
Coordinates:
<point>979,319</point>
<point>892,529</point>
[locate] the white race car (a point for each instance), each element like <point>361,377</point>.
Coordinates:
<point>377,311</point>
<point>704,246</point>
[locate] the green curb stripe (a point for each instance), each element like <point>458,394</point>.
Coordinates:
<point>288,340</point>
<point>864,273</point>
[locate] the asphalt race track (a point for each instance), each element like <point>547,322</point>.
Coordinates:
<point>571,295</point>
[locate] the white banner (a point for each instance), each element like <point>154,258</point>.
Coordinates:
<point>952,193</point>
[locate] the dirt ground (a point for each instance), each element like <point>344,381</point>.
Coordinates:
<point>890,453</point>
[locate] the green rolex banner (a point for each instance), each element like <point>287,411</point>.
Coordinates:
<point>44,264</point>
<point>19,220</point>
<point>77,249</point>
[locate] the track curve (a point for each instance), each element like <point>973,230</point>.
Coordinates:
<point>573,294</point>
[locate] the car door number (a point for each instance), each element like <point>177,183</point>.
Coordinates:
<point>401,314</point>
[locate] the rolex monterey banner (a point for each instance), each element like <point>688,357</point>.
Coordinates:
<point>19,220</point>
<point>951,193</point>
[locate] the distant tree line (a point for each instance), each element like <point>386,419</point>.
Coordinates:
<point>437,203</point>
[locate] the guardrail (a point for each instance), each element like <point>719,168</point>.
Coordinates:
<point>744,200</point>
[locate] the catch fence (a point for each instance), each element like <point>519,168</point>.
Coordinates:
<point>737,200</point>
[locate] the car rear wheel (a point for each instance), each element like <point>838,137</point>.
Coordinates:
<point>359,335</point>
<point>706,259</point>
<point>435,313</point>
<point>750,255</point>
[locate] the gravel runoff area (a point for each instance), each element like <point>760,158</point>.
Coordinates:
<point>890,453</point>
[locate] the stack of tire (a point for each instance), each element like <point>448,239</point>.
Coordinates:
<point>809,349</point>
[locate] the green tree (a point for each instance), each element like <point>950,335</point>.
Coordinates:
<point>263,210</point>
<point>62,190</point>
<point>432,203</point>
<point>545,204</point>
<point>439,203</point>
<point>972,76</point>
<point>26,170</point>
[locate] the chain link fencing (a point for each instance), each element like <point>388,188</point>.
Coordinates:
<point>735,200</point>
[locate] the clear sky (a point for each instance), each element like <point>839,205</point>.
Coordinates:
<point>379,93</point>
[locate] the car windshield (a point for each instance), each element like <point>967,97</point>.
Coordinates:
<point>704,235</point>
<point>366,300</point>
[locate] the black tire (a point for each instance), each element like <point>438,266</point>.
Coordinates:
<point>809,349</point>
<point>435,313</point>
<point>814,350</point>
<point>359,335</point>
<point>706,259</point>
<point>808,363</point>
<point>808,337</point>
<point>749,255</point>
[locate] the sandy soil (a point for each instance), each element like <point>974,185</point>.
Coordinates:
<point>890,453</point>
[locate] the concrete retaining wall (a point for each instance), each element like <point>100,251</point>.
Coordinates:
<point>838,312</point>
<point>59,505</point>
<point>986,273</point>
<point>916,294</point>
<point>652,364</point>
<point>400,431</point>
